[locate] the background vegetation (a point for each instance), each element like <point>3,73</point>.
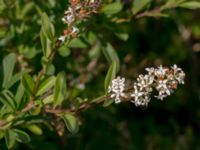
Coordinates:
<point>136,34</point>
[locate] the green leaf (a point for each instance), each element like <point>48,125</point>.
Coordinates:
<point>43,40</point>
<point>48,99</point>
<point>139,5</point>
<point>1,134</point>
<point>35,129</point>
<point>108,102</point>
<point>46,44</point>
<point>50,69</point>
<point>21,136</point>
<point>27,8</point>
<point>19,94</point>
<point>190,5</point>
<point>77,43</point>
<point>45,85</point>
<point>29,119</point>
<point>172,4</point>
<point>156,14</point>
<point>95,51</point>
<point>47,27</point>
<point>71,122</point>
<point>2,6</point>
<point>111,55</point>
<point>113,8</point>
<point>9,3</point>
<point>60,89</point>
<point>110,75</point>
<point>64,51</point>
<point>7,98</point>
<point>8,66</point>
<point>96,100</point>
<point>122,36</point>
<point>16,78</point>
<point>28,84</point>
<point>10,138</point>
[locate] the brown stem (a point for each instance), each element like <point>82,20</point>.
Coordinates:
<point>31,104</point>
<point>147,13</point>
<point>81,108</point>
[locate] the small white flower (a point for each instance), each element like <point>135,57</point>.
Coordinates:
<point>150,71</point>
<point>180,77</point>
<point>162,87</point>
<point>160,96</point>
<point>117,89</point>
<point>160,71</point>
<point>62,38</point>
<point>69,16</point>
<point>179,74</point>
<point>140,98</point>
<point>75,30</point>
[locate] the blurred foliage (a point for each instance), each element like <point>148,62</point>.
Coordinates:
<point>132,34</point>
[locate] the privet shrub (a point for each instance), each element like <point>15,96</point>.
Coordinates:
<point>54,65</point>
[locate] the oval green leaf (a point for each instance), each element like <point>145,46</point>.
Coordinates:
<point>45,85</point>
<point>60,89</point>
<point>10,138</point>
<point>22,136</point>
<point>110,75</point>
<point>71,122</point>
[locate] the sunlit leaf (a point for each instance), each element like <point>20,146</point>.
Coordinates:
<point>1,134</point>
<point>28,84</point>
<point>77,43</point>
<point>19,94</point>
<point>122,36</point>
<point>171,4</point>
<point>47,27</point>
<point>35,129</point>
<point>64,51</point>
<point>112,8</point>
<point>190,5</point>
<point>111,55</point>
<point>71,122</point>
<point>46,44</point>
<point>16,78</point>
<point>7,98</point>
<point>110,75</point>
<point>48,99</point>
<point>108,102</point>
<point>45,85</point>
<point>8,66</point>
<point>139,5</point>
<point>60,89</point>
<point>10,138</point>
<point>21,136</point>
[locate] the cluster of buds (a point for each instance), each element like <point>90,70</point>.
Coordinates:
<point>163,80</point>
<point>77,11</point>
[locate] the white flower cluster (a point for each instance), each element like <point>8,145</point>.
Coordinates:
<point>117,88</point>
<point>77,11</point>
<point>69,19</point>
<point>163,80</point>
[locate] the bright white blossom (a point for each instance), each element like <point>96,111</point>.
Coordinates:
<point>178,74</point>
<point>163,80</point>
<point>69,16</point>
<point>75,30</point>
<point>76,12</point>
<point>62,38</point>
<point>140,97</point>
<point>117,89</point>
